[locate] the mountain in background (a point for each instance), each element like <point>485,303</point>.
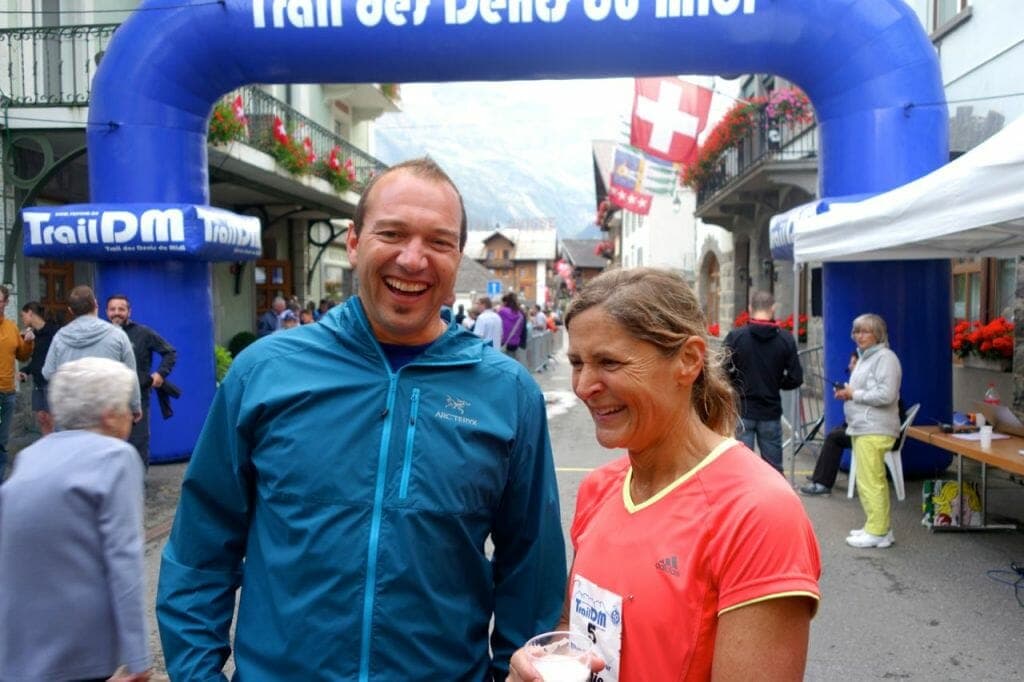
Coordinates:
<point>517,150</point>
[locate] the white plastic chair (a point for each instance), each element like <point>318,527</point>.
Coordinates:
<point>893,459</point>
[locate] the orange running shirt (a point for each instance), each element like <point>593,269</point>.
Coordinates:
<point>728,533</point>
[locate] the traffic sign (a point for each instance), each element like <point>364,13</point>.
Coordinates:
<point>493,287</point>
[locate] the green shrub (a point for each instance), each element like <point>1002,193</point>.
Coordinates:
<point>222,360</point>
<point>239,341</point>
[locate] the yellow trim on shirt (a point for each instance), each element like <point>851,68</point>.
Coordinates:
<point>780,595</point>
<point>627,499</point>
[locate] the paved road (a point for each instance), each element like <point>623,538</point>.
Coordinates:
<point>924,609</point>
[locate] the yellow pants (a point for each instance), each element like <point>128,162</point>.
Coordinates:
<point>869,452</point>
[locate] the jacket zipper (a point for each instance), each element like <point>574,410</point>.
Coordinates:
<point>410,438</point>
<point>371,551</point>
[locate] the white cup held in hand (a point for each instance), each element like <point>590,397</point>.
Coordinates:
<point>986,437</point>
<point>561,656</point>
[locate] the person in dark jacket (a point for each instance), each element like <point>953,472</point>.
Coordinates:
<point>33,314</point>
<point>145,342</point>
<point>762,361</point>
<point>270,321</point>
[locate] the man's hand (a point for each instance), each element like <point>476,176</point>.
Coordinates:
<point>158,379</point>
<point>29,334</point>
<point>844,393</point>
<point>22,377</point>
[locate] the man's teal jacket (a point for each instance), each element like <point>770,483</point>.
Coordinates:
<point>353,506</point>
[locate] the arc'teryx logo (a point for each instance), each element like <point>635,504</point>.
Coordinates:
<point>456,405</point>
<point>669,565</point>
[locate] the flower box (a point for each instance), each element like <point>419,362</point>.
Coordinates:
<point>991,364</point>
<point>988,346</point>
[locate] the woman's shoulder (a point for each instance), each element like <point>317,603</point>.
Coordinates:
<point>602,481</point>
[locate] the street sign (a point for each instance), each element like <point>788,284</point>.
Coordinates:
<point>493,288</point>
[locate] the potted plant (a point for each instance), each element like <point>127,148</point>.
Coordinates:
<point>341,175</point>
<point>295,158</point>
<point>227,122</point>
<point>986,346</point>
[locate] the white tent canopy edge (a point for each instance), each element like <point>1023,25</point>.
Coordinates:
<point>972,206</point>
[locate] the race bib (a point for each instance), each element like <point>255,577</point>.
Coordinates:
<point>597,613</point>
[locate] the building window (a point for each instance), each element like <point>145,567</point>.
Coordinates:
<point>505,253</point>
<point>943,11</point>
<point>983,288</point>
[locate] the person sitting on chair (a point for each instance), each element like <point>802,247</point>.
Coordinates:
<point>837,440</point>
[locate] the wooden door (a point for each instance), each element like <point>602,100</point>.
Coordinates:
<point>56,280</point>
<point>273,278</point>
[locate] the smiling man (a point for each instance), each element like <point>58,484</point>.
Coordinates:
<point>358,465</point>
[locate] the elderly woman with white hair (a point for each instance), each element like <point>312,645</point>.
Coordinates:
<point>71,539</point>
<point>871,407</point>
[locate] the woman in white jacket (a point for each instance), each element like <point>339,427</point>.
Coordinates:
<point>873,423</point>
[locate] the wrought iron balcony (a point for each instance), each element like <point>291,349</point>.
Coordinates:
<point>768,141</point>
<point>54,67</point>
<point>51,66</point>
<point>261,109</point>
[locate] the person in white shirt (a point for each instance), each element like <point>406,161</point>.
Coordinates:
<point>488,323</point>
<point>540,320</point>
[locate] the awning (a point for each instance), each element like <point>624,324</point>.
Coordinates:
<point>972,206</point>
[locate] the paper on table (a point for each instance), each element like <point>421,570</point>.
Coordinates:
<point>977,436</point>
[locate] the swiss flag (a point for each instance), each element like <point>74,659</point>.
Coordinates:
<point>668,115</point>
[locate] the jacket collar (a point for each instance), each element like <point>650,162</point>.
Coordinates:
<point>454,347</point>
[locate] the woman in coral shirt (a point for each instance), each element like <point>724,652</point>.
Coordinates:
<point>694,559</point>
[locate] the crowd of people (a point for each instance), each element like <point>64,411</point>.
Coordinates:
<point>422,539</point>
<point>72,605</point>
<point>286,313</point>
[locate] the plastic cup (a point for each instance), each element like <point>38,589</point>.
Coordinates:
<point>561,656</point>
<point>986,437</point>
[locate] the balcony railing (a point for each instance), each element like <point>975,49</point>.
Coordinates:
<point>767,141</point>
<point>52,67</point>
<point>261,109</point>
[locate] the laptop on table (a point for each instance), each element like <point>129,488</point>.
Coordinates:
<point>1002,419</point>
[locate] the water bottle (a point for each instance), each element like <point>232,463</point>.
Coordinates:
<point>991,395</point>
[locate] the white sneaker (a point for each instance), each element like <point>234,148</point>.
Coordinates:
<point>855,532</point>
<point>867,540</point>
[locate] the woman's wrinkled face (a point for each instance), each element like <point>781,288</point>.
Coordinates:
<point>864,337</point>
<point>634,393</point>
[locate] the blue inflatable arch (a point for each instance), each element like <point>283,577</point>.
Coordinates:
<point>867,66</point>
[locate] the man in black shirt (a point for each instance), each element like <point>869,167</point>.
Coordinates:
<point>762,361</point>
<point>145,342</point>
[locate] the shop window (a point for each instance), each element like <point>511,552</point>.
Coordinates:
<point>983,288</point>
<point>334,280</point>
<point>943,11</point>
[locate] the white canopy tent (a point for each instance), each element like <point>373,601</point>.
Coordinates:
<point>972,206</point>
